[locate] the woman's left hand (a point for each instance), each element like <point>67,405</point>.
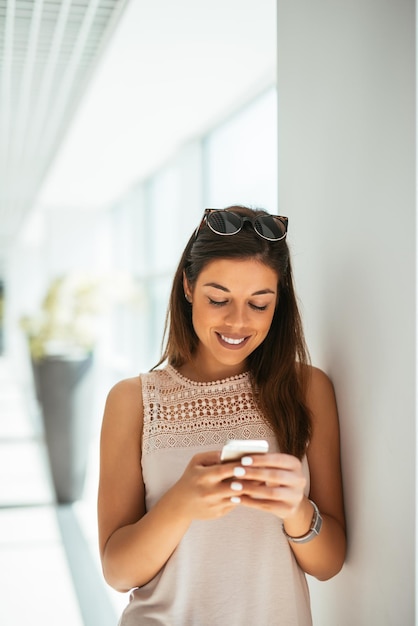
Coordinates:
<point>271,482</point>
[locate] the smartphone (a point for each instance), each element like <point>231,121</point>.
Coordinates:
<point>236,448</point>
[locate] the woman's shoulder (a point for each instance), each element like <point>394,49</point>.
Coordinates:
<point>123,415</point>
<point>320,394</point>
<point>125,397</point>
<point>130,387</point>
<point>126,386</point>
<point>318,379</point>
<point>313,376</point>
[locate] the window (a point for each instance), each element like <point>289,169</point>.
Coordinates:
<point>234,163</point>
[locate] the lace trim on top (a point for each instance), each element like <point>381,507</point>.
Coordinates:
<point>179,412</point>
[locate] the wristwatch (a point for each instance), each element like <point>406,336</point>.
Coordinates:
<point>312,532</point>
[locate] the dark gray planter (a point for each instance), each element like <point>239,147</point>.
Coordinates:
<point>65,392</point>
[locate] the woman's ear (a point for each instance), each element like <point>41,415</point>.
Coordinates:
<point>187,290</point>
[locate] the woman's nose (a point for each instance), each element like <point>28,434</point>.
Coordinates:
<point>237,315</point>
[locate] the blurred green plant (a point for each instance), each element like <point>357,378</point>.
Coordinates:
<point>68,319</point>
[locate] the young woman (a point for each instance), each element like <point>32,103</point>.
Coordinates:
<point>202,542</point>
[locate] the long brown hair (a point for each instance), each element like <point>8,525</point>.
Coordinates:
<point>279,366</point>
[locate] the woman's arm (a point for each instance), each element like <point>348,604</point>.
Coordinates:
<point>135,544</point>
<point>127,547</point>
<point>323,557</point>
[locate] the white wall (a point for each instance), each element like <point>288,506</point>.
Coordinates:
<point>346,93</point>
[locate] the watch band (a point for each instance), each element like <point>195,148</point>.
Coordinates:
<point>312,532</point>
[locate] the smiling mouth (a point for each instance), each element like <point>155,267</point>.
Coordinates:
<point>231,341</point>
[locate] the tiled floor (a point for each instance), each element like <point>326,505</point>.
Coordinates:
<point>49,566</point>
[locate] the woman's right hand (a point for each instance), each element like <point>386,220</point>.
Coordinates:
<point>136,551</point>
<point>204,490</point>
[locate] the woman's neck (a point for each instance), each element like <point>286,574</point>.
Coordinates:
<point>203,373</point>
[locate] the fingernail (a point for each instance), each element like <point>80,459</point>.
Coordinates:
<point>246,460</point>
<point>235,499</point>
<point>239,472</point>
<point>236,486</point>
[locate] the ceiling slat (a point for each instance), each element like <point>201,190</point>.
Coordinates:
<point>47,51</point>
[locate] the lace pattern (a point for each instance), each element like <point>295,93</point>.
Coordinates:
<point>182,413</point>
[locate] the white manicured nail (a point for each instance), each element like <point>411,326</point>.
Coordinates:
<point>235,499</point>
<point>239,472</point>
<point>236,486</point>
<point>246,460</point>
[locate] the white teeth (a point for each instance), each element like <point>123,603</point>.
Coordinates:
<point>234,342</point>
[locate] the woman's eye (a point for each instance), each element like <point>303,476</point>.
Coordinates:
<point>217,302</point>
<point>258,308</point>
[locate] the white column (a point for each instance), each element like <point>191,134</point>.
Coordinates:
<point>346,94</point>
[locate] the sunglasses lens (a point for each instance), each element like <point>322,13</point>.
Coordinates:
<point>224,222</point>
<point>270,227</point>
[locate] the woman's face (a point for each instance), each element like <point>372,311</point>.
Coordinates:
<point>233,303</point>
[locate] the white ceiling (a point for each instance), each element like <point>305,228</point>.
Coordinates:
<point>168,72</point>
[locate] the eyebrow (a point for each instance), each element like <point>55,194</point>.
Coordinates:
<point>222,288</point>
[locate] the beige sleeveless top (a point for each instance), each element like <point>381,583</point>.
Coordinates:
<point>234,571</point>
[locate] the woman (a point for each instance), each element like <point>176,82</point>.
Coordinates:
<point>202,542</point>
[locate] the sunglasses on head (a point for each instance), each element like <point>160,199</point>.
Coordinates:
<point>225,222</point>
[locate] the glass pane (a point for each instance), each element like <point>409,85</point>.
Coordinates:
<point>241,157</point>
